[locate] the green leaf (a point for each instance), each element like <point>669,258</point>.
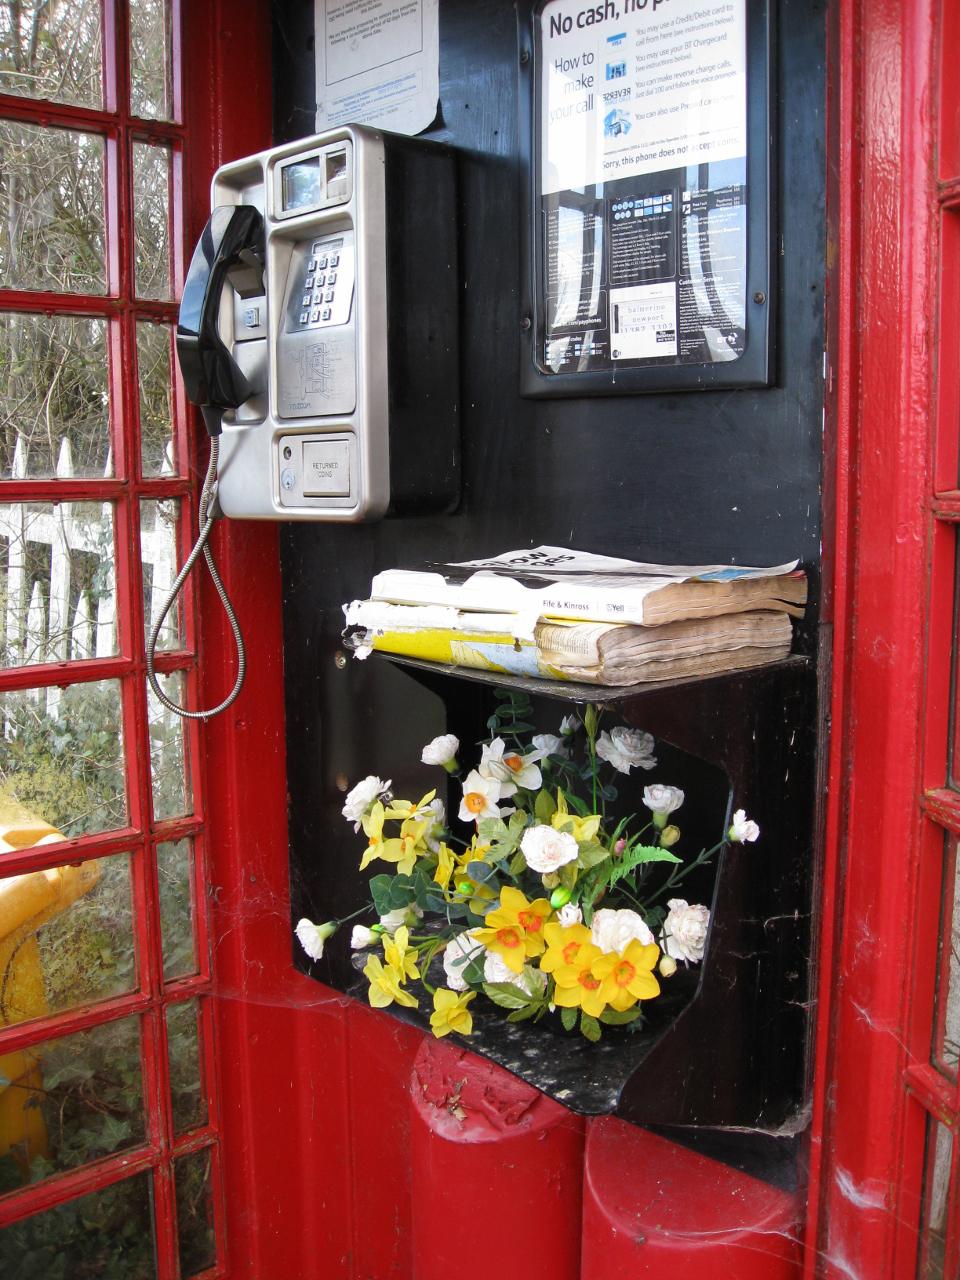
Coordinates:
<point>590,1027</point>
<point>506,995</point>
<point>591,855</point>
<point>481,872</point>
<point>616,1018</point>
<point>472,974</point>
<point>380,892</point>
<point>640,853</point>
<point>521,1015</point>
<point>569,1018</point>
<point>492,829</point>
<point>403,891</point>
<point>544,807</point>
<point>579,807</point>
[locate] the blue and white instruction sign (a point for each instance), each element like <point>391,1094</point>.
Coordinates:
<point>643,190</point>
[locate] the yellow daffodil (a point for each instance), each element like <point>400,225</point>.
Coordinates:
<point>385,986</point>
<point>583,830</point>
<point>450,1012</point>
<point>514,930</point>
<point>446,862</point>
<point>403,849</point>
<point>595,978</point>
<point>580,984</point>
<point>407,809</point>
<point>401,959</point>
<point>628,977</point>
<point>563,944</point>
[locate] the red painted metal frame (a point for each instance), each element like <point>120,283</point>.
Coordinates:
<point>141,836</point>
<point>894,508</point>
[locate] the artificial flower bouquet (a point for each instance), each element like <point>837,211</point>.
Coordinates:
<point>541,904</point>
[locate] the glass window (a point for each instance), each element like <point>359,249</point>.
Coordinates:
<point>946,1048</point>
<point>52,51</point>
<point>57,592</point>
<point>168,762</point>
<point>151,81</point>
<point>71,1100</point>
<point>63,755</point>
<point>151,220</point>
<point>106,1234</point>
<point>155,379</point>
<point>54,419</point>
<point>194,1213</point>
<point>52,232</point>
<point>158,556</point>
<point>183,1048</point>
<point>66,933</point>
<point>936,1200</point>
<point>174,865</point>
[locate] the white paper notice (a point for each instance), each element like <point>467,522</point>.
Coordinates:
<point>643,321</point>
<point>378,63</point>
<point>637,86</point>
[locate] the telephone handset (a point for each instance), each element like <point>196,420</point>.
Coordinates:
<point>318,333</point>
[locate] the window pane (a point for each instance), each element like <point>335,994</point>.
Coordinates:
<point>54,420</point>
<point>156,402</point>
<point>151,220</point>
<point>176,908</point>
<point>158,557</point>
<point>106,1234</point>
<point>936,1200</point>
<point>198,1249</point>
<point>183,1048</point>
<point>66,936</point>
<point>52,232</point>
<point>57,590</point>
<point>52,51</point>
<point>63,755</point>
<point>151,93</point>
<point>171,787</point>
<point>71,1100</point>
<point>946,1049</point>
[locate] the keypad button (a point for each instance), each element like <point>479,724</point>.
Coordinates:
<point>308,283</point>
<point>304,317</point>
<point>334,259</point>
<point>322,262</point>
<point>320,281</point>
<point>305,300</point>
<point>312,264</point>
<point>325,313</point>
<point>328,296</point>
<point>332,278</point>
<point>314,316</point>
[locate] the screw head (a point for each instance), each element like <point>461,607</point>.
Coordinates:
<point>340,659</point>
<point>759,297</point>
<point>526,324</point>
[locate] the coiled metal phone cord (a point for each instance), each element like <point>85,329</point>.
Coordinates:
<point>207,495</point>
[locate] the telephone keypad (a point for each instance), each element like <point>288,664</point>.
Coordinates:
<point>323,283</point>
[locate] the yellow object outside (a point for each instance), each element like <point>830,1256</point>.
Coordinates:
<point>27,902</point>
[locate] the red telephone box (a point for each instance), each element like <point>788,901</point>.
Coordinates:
<point>200,1100</point>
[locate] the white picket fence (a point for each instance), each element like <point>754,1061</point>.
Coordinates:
<point>53,613</point>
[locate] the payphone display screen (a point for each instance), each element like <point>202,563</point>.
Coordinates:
<point>302,187</point>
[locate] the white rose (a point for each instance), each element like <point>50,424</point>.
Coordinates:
<point>546,849</point>
<point>685,930</point>
<point>362,797</point>
<point>400,916</point>
<point>549,744</point>
<point>743,828</point>
<point>661,799</point>
<point>441,750</point>
<point>457,954</point>
<point>313,936</point>
<point>626,749</point>
<point>613,931</point>
<point>570,914</point>
<point>530,980</point>
<point>480,797</point>
<point>362,937</point>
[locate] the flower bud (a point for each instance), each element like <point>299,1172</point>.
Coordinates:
<point>377,928</point>
<point>667,966</point>
<point>619,847</point>
<point>550,879</point>
<point>560,897</point>
<point>669,836</point>
<point>464,887</point>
